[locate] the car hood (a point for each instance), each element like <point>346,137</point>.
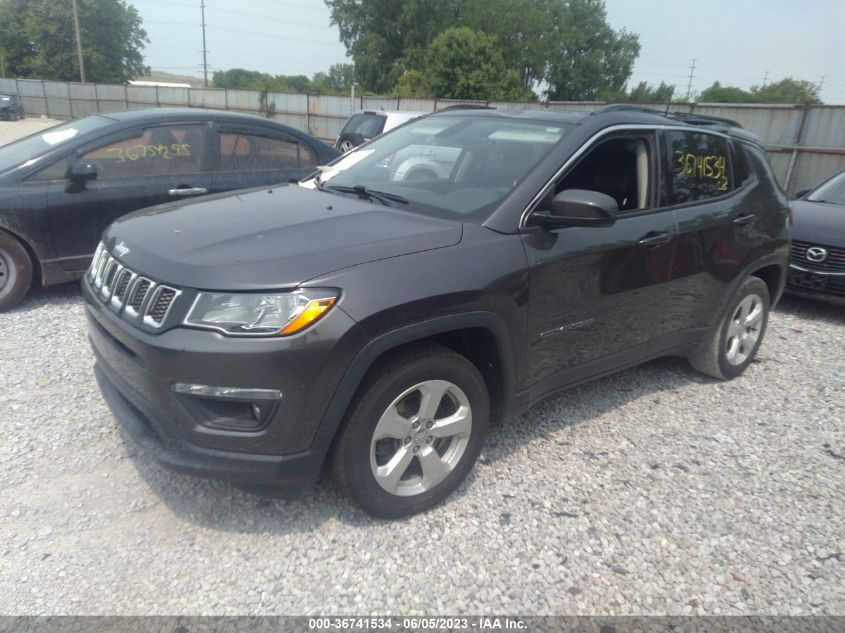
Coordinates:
<point>818,222</point>
<point>268,238</point>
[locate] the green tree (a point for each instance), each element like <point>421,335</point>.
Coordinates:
<point>564,45</point>
<point>463,64</point>
<point>385,37</point>
<point>37,40</point>
<point>644,92</point>
<point>784,91</point>
<point>717,93</point>
<point>240,79</point>
<point>588,57</point>
<point>787,91</point>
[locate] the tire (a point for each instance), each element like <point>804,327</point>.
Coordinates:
<point>733,345</point>
<point>349,141</point>
<point>15,271</point>
<point>430,464</point>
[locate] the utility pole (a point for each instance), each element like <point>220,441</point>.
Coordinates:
<point>765,78</point>
<point>821,84</point>
<point>204,50</point>
<point>691,75</point>
<point>78,41</point>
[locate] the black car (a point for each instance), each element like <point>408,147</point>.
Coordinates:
<point>10,108</point>
<point>817,260</point>
<point>59,189</point>
<point>377,325</point>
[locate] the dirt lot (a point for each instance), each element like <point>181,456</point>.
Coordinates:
<point>654,491</point>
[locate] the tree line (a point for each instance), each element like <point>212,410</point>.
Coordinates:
<point>561,50</point>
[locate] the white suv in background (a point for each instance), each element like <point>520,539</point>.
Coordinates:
<point>367,124</point>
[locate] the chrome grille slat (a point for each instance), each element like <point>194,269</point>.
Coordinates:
<point>136,298</point>
<point>159,305</point>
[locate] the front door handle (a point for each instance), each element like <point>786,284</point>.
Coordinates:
<point>745,218</point>
<point>188,191</point>
<point>654,240</point>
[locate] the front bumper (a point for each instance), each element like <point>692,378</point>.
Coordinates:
<point>815,284</point>
<point>136,372</point>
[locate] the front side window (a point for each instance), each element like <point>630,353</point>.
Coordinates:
<point>618,167</point>
<point>157,151</point>
<point>698,167</point>
<point>242,151</point>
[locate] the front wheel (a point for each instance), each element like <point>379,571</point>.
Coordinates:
<point>15,271</point>
<point>735,342</point>
<point>413,432</point>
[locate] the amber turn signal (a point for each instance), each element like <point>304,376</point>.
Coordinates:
<point>315,309</point>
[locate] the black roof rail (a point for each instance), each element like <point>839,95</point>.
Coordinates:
<point>466,106</point>
<point>686,117</point>
<point>621,107</point>
<point>703,119</point>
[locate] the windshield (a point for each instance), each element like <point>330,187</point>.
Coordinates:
<point>451,166</point>
<point>29,149</point>
<point>832,191</point>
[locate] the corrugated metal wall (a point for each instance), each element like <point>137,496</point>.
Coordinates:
<point>806,144</point>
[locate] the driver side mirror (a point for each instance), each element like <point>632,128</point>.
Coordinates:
<point>578,207</point>
<point>802,193</point>
<point>78,174</point>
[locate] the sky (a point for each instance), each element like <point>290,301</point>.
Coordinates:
<point>733,41</point>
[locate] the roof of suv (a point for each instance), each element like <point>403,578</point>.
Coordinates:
<point>622,114</point>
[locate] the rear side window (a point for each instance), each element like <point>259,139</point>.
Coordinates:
<point>367,125</point>
<point>241,151</point>
<point>698,167</point>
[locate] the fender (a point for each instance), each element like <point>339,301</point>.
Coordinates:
<point>361,364</point>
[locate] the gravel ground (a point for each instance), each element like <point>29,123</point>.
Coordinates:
<point>654,491</point>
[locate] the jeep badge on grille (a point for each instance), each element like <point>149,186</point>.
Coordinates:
<point>122,249</point>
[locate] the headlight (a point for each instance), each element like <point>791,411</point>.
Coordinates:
<point>260,314</point>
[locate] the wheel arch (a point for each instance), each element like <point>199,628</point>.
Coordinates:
<point>774,277</point>
<point>481,337</point>
<point>37,272</point>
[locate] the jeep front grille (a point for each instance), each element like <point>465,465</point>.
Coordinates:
<point>133,296</point>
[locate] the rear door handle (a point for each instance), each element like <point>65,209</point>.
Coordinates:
<point>745,218</point>
<point>655,240</point>
<point>188,191</point>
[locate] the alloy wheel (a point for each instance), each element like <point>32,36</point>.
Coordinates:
<point>420,438</point>
<point>744,329</point>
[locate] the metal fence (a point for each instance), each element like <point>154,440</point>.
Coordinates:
<point>806,144</point>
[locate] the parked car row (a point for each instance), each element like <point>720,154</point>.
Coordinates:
<point>373,312</point>
<point>817,259</point>
<point>60,189</point>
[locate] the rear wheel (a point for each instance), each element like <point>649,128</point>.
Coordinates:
<point>413,432</point>
<point>735,342</point>
<point>15,271</point>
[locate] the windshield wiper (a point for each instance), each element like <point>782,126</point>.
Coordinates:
<point>369,194</point>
